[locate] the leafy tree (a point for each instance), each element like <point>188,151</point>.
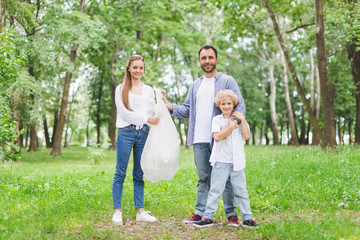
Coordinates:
<point>9,65</point>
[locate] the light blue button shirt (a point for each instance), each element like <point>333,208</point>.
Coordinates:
<point>188,109</point>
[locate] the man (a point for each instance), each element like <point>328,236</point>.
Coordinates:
<point>200,108</point>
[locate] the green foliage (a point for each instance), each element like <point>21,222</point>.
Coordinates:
<point>295,193</point>
<point>97,154</point>
<point>9,65</point>
<point>8,135</point>
<point>9,61</point>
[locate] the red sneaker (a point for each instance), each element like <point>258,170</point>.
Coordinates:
<point>192,219</point>
<point>233,221</point>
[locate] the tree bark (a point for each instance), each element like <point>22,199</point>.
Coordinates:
<point>349,129</point>
<point>301,92</point>
<point>294,136</point>
<point>327,88</point>
<point>302,128</point>
<point>354,57</point>
<point>56,151</point>
<point>272,103</point>
<point>21,136</point>
<point>341,139</point>
<point>180,132</point>
<point>315,140</point>
<point>33,146</point>
<point>253,134</point>
<point>56,120</point>
<point>98,111</point>
<point>179,96</point>
<point>46,133</point>
<point>112,123</point>
<point>26,137</point>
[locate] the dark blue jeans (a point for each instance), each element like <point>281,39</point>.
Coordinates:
<point>202,153</point>
<point>129,138</point>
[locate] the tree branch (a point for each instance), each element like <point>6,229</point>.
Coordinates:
<point>301,26</point>
<point>95,9</point>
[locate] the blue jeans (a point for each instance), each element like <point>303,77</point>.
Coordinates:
<point>202,153</point>
<point>129,138</point>
<point>219,177</point>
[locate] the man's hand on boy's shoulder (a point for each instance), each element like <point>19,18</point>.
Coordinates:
<point>238,115</point>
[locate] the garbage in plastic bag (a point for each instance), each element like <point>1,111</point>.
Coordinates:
<point>160,157</point>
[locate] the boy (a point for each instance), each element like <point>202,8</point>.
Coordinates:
<point>228,159</point>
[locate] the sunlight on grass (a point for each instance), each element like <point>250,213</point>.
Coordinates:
<point>295,193</point>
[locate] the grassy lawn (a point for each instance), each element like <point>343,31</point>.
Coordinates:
<point>295,193</point>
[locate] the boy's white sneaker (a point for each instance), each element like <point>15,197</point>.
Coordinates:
<point>145,217</point>
<point>117,218</point>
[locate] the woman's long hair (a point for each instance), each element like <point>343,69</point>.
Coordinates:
<point>127,81</point>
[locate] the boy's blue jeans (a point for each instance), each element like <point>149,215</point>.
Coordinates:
<point>220,174</point>
<point>129,138</point>
<point>202,153</point>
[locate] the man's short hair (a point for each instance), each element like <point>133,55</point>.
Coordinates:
<point>208,47</point>
<point>222,94</point>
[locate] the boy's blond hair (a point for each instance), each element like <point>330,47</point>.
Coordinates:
<point>226,94</point>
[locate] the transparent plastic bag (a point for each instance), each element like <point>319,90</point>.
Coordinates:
<point>160,157</point>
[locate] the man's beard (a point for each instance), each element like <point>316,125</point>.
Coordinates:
<point>211,69</point>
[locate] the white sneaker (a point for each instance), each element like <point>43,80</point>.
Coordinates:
<point>145,217</point>
<point>117,218</point>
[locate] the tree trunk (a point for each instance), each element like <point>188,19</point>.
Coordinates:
<point>307,139</point>
<point>46,133</point>
<point>294,136</point>
<point>179,95</point>
<point>267,140</point>
<point>180,132</point>
<point>56,119</point>
<point>315,140</point>
<point>98,111</point>
<point>272,103</point>
<point>316,110</point>
<point>112,123</point>
<point>158,50</point>
<point>349,129</point>
<point>87,130</point>
<point>301,92</point>
<point>27,137</point>
<point>312,78</point>
<point>327,88</point>
<point>354,57</point>
<point>21,136</point>
<point>33,147</point>
<point>56,151</point>
<point>302,128</point>
<point>341,140</point>
<point>253,134</point>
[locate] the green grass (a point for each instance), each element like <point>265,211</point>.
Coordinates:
<point>295,193</point>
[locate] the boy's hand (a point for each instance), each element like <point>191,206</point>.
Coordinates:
<point>233,123</point>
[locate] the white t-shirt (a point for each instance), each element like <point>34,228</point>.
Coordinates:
<point>204,110</point>
<point>225,153</point>
<point>142,106</point>
<point>229,150</point>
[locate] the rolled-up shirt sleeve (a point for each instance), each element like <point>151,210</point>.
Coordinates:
<point>182,111</point>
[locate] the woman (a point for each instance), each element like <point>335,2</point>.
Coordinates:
<point>134,103</point>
